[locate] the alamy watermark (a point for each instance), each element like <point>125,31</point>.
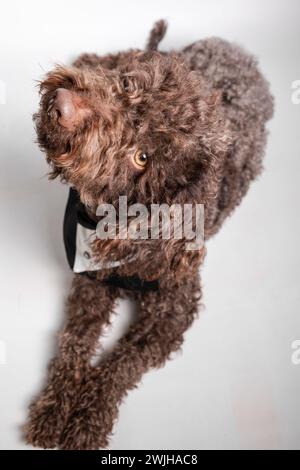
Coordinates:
<point>2,353</point>
<point>295,357</point>
<point>159,221</point>
<point>295,97</point>
<point>2,92</point>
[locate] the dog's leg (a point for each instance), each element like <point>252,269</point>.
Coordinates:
<point>164,316</point>
<point>88,310</point>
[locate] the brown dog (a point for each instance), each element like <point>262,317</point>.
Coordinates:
<point>180,127</point>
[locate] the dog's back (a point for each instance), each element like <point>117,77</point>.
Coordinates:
<point>247,105</point>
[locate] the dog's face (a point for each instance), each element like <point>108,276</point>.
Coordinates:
<point>145,130</point>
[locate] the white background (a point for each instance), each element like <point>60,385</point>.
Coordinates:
<point>234,385</point>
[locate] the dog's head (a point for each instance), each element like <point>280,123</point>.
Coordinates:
<point>145,130</point>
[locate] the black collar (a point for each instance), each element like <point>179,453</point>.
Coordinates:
<point>76,213</point>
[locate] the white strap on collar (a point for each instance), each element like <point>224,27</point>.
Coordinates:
<point>83,256</point>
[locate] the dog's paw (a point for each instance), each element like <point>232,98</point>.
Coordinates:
<point>84,431</point>
<point>47,417</point>
<point>44,425</point>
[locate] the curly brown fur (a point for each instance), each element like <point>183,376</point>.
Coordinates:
<point>199,114</point>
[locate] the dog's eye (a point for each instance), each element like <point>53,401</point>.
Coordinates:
<point>140,160</point>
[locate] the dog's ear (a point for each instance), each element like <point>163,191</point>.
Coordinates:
<point>69,108</point>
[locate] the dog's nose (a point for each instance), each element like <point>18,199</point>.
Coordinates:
<point>65,108</point>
